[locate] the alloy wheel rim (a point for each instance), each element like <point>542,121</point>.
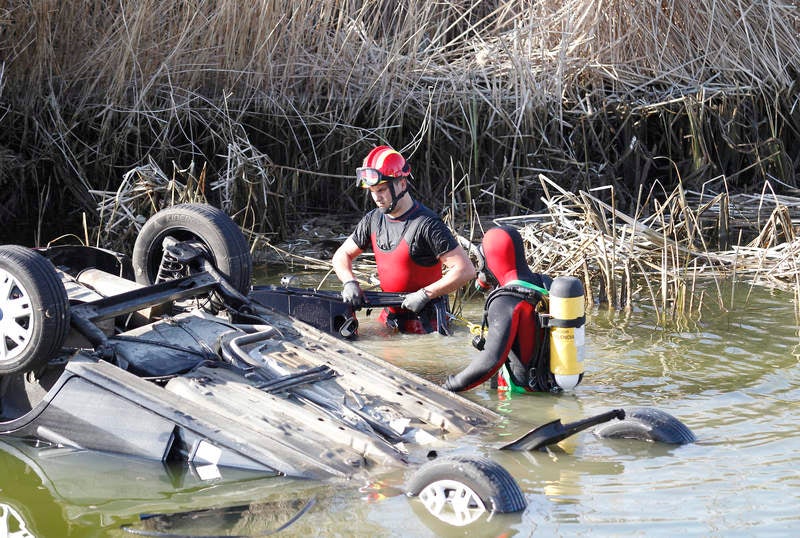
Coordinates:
<point>16,315</point>
<point>453,502</point>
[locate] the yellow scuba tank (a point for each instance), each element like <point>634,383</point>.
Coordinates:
<point>567,331</point>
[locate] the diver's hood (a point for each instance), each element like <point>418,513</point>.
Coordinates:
<point>504,256</point>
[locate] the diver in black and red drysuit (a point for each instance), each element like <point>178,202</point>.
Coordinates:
<point>410,243</point>
<point>515,337</point>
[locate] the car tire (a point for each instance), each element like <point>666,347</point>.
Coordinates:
<point>34,310</point>
<point>218,233</point>
<point>647,424</point>
<point>457,490</point>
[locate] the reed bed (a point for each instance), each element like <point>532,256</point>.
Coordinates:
<point>280,101</point>
<point>666,253</point>
<point>672,252</point>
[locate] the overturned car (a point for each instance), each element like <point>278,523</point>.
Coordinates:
<point>172,356</point>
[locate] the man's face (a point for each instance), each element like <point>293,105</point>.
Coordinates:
<point>382,194</point>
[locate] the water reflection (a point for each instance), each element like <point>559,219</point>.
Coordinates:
<point>68,492</point>
<point>495,525</point>
<point>732,377</point>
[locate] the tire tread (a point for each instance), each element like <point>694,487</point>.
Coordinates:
<point>491,481</point>
<point>50,297</point>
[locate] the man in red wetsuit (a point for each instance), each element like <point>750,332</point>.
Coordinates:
<point>515,337</point>
<point>410,243</point>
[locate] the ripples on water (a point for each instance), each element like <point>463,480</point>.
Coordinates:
<point>732,378</point>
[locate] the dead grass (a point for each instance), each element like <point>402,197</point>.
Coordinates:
<point>665,253</point>
<point>672,252</point>
<point>278,102</point>
<point>285,98</point>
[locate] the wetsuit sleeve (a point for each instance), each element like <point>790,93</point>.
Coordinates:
<point>361,235</point>
<point>502,329</point>
<point>434,240</point>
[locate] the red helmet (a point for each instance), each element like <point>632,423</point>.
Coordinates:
<point>380,165</point>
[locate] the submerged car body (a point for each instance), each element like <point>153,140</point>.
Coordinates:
<point>173,356</point>
<point>68,492</point>
<point>190,370</point>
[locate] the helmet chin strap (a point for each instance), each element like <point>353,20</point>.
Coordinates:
<point>395,198</point>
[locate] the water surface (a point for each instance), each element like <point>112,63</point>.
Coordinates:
<point>732,377</point>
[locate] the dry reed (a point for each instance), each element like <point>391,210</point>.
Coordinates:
<point>282,100</point>
<point>613,101</point>
<point>664,254</point>
<point>668,253</point>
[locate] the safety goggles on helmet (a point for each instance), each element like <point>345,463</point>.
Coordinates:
<point>369,177</point>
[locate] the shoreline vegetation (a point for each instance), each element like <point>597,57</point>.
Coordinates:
<point>671,252</point>
<point>644,144</point>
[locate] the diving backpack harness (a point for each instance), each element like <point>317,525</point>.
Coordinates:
<point>558,366</point>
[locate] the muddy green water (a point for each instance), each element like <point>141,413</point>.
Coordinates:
<point>733,378</point>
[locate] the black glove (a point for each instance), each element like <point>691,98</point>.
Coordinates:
<point>416,301</point>
<point>352,294</point>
